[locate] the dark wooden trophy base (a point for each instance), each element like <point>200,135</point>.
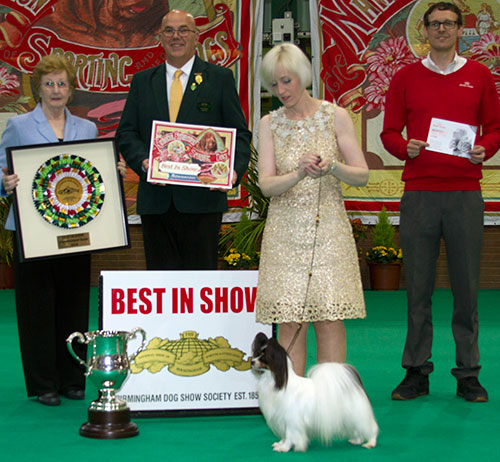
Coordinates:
<point>108,425</point>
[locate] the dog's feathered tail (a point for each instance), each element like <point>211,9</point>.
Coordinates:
<point>342,405</point>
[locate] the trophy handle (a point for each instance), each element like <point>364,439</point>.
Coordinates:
<point>132,334</point>
<point>69,342</point>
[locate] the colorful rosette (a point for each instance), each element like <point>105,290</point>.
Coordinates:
<point>68,191</point>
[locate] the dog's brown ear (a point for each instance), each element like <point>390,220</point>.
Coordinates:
<point>259,343</point>
<point>261,336</point>
<point>276,358</point>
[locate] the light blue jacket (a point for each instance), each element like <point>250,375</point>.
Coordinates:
<point>34,128</point>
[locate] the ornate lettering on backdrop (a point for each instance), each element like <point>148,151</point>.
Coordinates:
<point>108,42</point>
<point>364,42</point>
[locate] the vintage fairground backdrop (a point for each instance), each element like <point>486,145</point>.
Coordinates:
<point>356,47</point>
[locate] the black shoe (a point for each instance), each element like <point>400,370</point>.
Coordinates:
<point>49,399</point>
<point>74,394</point>
<point>471,390</point>
<point>415,384</point>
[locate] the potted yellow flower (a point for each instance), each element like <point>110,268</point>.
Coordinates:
<point>240,260</point>
<point>384,258</point>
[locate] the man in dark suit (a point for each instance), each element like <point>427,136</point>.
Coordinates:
<point>180,223</point>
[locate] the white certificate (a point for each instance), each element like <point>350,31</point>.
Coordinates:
<point>451,138</point>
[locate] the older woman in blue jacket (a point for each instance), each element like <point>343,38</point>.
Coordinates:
<point>52,295</point>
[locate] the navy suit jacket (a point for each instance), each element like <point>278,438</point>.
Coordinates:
<point>34,128</point>
<point>213,102</point>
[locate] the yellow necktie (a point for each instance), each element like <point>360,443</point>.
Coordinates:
<point>175,96</point>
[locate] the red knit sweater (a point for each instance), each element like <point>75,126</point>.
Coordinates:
<point>415,96</point>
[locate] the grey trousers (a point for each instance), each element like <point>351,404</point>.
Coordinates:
<point>457,217</point>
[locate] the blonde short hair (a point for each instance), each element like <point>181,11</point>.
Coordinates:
<point>52,63</point>
<point>291,58</point>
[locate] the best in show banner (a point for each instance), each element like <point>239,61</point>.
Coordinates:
<point>199,326</point>
<point>108,42</point>
<point>362,44</point>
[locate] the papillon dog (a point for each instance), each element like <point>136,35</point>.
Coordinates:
<point>330,403</point>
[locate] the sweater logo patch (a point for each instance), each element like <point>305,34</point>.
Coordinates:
<point>466,85</point>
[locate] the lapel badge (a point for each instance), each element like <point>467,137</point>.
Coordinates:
<point>193,86</point>
<point>198,78</point>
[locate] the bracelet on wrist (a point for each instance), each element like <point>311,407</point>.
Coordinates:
<point>332,166</point>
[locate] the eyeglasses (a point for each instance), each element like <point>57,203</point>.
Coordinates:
<point>50,84</point>
<point>436,25</point>
<point>183,32</point>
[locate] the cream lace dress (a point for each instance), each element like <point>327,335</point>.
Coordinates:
<point>309,265</point>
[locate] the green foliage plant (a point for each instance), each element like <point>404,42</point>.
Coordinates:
<point>244,237</point>
<point>383,231</point>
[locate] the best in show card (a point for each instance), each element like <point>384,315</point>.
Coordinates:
<point>191,155</point>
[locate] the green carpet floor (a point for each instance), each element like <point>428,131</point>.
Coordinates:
<point>438,427</point>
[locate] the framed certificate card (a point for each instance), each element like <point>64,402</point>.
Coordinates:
<point>69,198</point>
<point>191,155</point>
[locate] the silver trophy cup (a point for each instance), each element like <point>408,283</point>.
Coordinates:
<point>107,367</point>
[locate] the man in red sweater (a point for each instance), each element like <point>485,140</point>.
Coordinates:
<point>442,195</point>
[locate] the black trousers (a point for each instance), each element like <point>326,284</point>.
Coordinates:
<point>457,217</point>
<point>52,301</point>
<point>181,241</point>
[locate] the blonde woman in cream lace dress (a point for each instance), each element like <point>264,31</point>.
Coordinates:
<point>309,269</point>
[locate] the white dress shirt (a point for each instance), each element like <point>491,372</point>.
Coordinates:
<point>186,70</point>
<point>457,63</point>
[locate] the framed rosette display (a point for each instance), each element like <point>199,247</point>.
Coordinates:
<point>191,155</point>
<point>69,198</point>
